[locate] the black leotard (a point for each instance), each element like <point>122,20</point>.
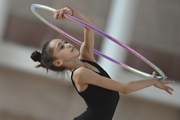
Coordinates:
<point>101,103</point>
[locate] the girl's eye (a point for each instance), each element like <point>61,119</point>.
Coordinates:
<point>62,46</point>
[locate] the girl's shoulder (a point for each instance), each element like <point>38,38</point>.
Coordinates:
<point>80,71</point>
<point>78,74</point>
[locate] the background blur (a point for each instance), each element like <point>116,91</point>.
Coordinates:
<point>152,28</point>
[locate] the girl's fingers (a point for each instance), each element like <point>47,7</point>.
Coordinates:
<point>168,89</point>
<point>61,14</point>
<point>168,92</point>
<point>56,13</point>
<point>171,89</point>
<point>154,74</point>
<point>169,82</point>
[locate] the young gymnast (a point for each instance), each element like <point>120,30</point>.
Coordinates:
<point>93,84</point>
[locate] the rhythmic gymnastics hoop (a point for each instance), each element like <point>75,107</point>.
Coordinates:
<point>162,75</point>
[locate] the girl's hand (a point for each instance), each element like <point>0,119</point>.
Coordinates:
<point>59,14</point>
<point>163,84</point>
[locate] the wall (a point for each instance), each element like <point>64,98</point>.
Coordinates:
<point>156,35</point>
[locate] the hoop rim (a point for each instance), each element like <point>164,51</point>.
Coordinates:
<point>33,6</point>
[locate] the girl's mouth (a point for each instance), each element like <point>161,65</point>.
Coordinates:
<point>72,49</point>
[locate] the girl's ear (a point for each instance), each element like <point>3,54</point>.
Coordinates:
<point>57,63</point>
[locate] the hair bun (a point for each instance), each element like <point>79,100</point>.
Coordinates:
<point>36,56</point>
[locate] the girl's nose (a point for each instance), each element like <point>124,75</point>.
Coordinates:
<point>69,45</point>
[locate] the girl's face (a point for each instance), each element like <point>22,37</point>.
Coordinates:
<point>63,51</point>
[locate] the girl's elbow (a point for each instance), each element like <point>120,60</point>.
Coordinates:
<point>126,89</point>
<point>91,21</point>
<point>125,92</point>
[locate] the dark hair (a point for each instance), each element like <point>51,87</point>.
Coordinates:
<point>46,58</point>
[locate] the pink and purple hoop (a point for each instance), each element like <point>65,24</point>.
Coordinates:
<point>162,75</point>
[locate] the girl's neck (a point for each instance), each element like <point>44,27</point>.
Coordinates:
<point>74,64</point>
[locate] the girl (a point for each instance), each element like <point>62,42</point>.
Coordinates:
<point>93,84</point>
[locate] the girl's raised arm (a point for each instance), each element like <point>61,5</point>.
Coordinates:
<point>86,49</point>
